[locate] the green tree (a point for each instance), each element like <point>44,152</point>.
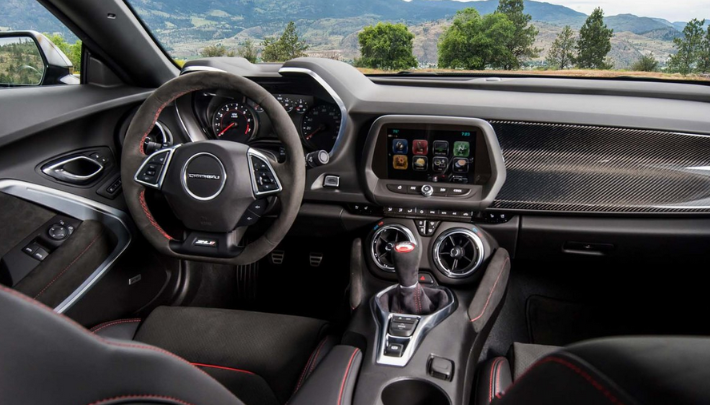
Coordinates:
<point>594,42</point>
<point>646,63</point>
<point>704,60</point>
<point>689,47</point>
<point>286,47</point>
<point>72,51</point>
<point>562,53</point>
<point>473,42</point>
<point>216,51</point>
<point>386,46</point>
<point>248,51</point>
<point>521,44</point>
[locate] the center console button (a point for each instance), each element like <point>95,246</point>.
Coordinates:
<point>397,188</point>
<point>441,191</point>
<point>427,190</point>
<point>414,189</point>
<point>458,191</point>
<point>402,329</point>
<point>394,349</point>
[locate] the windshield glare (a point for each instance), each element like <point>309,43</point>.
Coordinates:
<point>633,38</point>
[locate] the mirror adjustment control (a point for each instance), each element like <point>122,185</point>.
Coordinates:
<point>427,190</point>
<point>58,232</point>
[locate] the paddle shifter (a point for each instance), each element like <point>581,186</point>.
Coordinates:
<point>410,297</point>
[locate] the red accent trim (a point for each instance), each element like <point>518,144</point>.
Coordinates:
<point>404,247</point>
<point>137,397</point>
<point>490,294</point>
<point>152,220</point>
<point>222,368</point>
<point>69,265</point>
<point>580,372</point>
<point>118,322</point>
<point>310,365</point>
<point>157,114</point>
<point>490,382</point>
<point>345,377</point>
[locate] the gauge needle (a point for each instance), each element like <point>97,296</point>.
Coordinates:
<point>225,130</point>
<point>320,128</point>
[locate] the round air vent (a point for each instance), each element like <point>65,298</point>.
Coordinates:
<point>383,242</point>
<point>458,252</point>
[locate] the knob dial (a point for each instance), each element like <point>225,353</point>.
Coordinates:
<point>427,190</point>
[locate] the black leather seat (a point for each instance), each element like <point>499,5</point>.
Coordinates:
<point>617,371</point>
<point>46,358</point>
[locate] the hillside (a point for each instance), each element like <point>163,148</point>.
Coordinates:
<point>330,26</point>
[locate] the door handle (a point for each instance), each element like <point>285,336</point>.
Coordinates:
<point>75,170</point>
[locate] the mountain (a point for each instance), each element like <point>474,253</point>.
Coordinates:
<point>330,26</point>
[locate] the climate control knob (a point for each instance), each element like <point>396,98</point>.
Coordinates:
<point>427,190</point>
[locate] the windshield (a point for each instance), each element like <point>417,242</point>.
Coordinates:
<point>657,39</point>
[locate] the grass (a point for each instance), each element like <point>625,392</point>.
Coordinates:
<point>563,73</point>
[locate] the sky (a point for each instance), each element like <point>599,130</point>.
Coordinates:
<point>672,10</point>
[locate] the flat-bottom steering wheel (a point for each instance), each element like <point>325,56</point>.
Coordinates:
<point>215,188</point>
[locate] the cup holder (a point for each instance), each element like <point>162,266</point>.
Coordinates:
<point>414,392</point>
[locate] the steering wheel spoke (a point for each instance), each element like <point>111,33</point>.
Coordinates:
<point>152,171</point>
<point>264,178</point>
<point>210,244</point>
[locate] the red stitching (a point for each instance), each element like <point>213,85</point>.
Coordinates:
<point>223,368</point>
<point>490,294</point>
<point>69,265</point>
<point>490,385</point>
<point>157,114</point>
<point>152,220</point>
<point>102,401</point>
<point>118,322</point>
<point>311,361</point>
<point>345,377</point>
<point>581,373</point>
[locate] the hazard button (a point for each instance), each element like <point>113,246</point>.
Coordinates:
<point>426,278</point>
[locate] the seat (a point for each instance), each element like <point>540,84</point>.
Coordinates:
<point>617,371</point>
<point>46,358</point>
<point>262,358</point>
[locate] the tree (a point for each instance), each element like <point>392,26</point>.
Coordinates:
<point>690,48</point>
<point>521,44</point>
<point>704,60</point>
<point>248,51</point>
<point>215,51</point>
<point>286,47</point>
<point>72,51</point>
<point>594,42</point>
<point>386,46</point>
<point>562,53</point>
<point>646,63</point>
<point>473,42</point>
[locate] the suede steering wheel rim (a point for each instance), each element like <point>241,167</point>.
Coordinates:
<point>290,174</point>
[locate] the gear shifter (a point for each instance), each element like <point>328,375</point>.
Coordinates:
<point>410,297</point>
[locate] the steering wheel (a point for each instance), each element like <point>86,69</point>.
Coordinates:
<point>217,189</point>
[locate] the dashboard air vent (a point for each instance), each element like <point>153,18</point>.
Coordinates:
<point>458,252</point>
<point>383,242</point>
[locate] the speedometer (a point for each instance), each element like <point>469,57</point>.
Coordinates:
<point>321,126</point>
<point>234,122</point>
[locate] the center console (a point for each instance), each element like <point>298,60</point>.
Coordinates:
<point>432,176</point>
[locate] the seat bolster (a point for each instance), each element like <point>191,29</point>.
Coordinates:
<point>494,378</point>
<point>523,355</point>
<point>122,329</point>
<point>333,381</point>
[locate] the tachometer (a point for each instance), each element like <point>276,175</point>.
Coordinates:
<point>321,126</point>
<point>234,122</point>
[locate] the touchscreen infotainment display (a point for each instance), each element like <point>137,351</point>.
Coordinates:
<point>439,156</point>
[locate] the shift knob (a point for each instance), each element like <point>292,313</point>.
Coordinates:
<point>406,257</point>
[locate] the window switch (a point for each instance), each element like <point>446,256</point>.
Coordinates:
<point>441,368</point>
<point>31,248</point>
<point>40,254</point>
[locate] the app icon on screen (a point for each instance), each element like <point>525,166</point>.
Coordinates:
<point>400,162</point>
<point>439,164</point>
<point>462,149</point>
<point>441,148</point>
<point>420,163</point>
<point>420,147</point>
<point>460,166</point>
<point>400,146</point>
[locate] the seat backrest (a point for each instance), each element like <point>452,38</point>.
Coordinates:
<point>618,371</point>
<point>46,358</point>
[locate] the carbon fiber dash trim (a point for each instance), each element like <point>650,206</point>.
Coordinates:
<point>575,168</point>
